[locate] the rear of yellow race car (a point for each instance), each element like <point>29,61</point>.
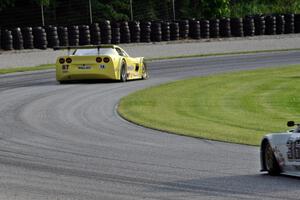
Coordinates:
<point>87,68</point>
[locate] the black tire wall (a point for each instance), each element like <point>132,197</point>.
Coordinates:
<point>225,27</point>
<point>195,29</point>
<point>84,35</point>
<point>135,31</point>
<point>73,34</point>
<point>156,32</point>
<point>115,33</point>
<point>52,36</point>
<point>125,32</point>
<point>297,23</point>
<point>249,26</point>
<point>237,27</point>
<point>270,25</point>
<point>289,23</point>
<point>214,28</point>
<point>95,34</point>
<point>174,28</point>
<point>40,38</point>
<point>166,31</point>
<point>7,40</point>
<point>205,29</point>
<point>18,42</point>
<point>106,32</point>
<point>63,36</point>
<point>145,31</point>
<point>260,25</point>
<point>280,24</point>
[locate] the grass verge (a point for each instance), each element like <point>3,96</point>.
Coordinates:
<point>25,69</point>
<point>236,107</point>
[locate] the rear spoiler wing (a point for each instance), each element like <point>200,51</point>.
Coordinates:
<point>83,47</point>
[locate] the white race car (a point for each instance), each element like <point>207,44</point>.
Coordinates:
<point>280,153</point>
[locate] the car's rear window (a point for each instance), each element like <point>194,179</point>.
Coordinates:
<point>93,52</point>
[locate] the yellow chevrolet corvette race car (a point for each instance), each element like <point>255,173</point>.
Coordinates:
<point>99,62</point>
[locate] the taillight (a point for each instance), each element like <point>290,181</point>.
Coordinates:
<point>98,60</point>
<point>106,59</point>
<point>61,60</point>
<point>68,60</point>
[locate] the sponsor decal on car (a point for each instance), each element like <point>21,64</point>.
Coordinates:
<point>130,68</point>
<point>84,67</point>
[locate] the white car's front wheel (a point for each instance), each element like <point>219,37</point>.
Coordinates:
<point>270,161</point>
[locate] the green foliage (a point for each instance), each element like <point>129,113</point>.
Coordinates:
<point>215,8</point>
<point>157,9</point>
<point>111,10</point>
<point>242,8</point>
<point>6,3</point>
<point>250,8</point>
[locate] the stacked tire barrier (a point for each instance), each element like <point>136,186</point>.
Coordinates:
<point>156,32</point>
<point>249,26</point>
<point>40,38</point>
<point>237,27</point>
<point>297,23</point>
<point>184,29</point>
<point>73,32</point>
<point>105,27</point>
<point>205,29</point>
<point>18,42</point>
<point>7,40</point>
<point>146,32</point>
<point>225,28</point>
<point>27,37</point>
<point>115,33</point>
<point>106,32</point>
<point>289,23</point>
<point>280,24</point>
<point>84,35</point>
<point>195,29</point>
<point>125,32</point>
<point>166,31</point>
<point>52,36</point>
<point>135,31</point>
<point>95,34</point>
<point>270,25</point>
<point>214,28</point>
<point>63,36</point>
<point>174,31</point>
<point>260,25</point>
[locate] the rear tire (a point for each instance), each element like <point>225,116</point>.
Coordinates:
<point>270,161</point>
<point>145,74</point>
<point>123,74</point>
<point>61,82</point>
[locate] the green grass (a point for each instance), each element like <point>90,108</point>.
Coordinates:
<point>221,54</point>
<point>237,107</point>
<point>25,69</point>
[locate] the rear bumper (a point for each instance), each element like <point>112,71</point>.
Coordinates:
<point>73,73</point>
<point>90,76</point>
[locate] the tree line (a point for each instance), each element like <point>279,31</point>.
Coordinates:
<point>67,10</point>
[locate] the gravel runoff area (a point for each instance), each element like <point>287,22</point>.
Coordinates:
<point>9,59</point>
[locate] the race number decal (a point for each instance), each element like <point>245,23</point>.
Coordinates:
<point>293,146</point>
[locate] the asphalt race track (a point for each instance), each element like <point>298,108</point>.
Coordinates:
<point>67,142</point>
